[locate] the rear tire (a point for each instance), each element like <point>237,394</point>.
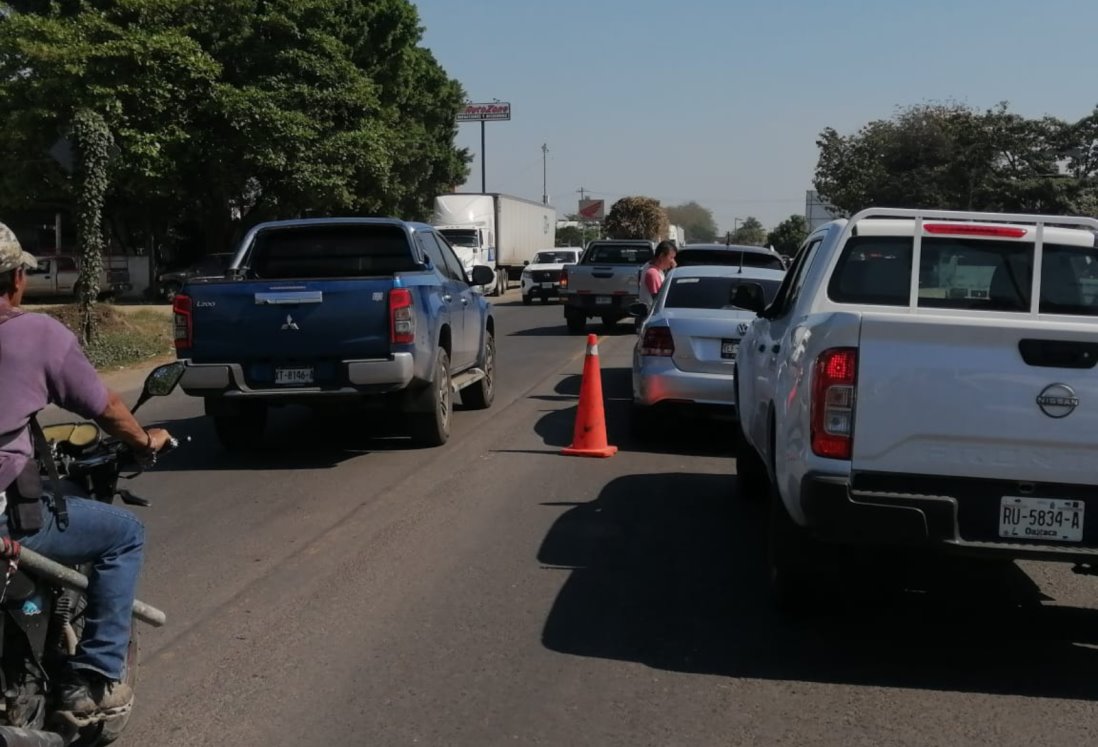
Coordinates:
<point>790,588</point>
<point>526,300</point>
<point>243,430</point>
<point>609,321</point>
<point>433,428</point>
<point>751,477</point>
<point>577,323</point>
<point>479,396</point>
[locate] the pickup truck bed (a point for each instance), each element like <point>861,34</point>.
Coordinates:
<point>930,385</point>
<point>604,283</point>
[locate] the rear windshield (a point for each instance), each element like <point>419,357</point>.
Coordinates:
<point>974,274</point>
<point>711,293</point>
<point>461,237</point>
<point>619,255</point>
<point>731,257</point>
<point>550,258</point>
<point>331,251</point>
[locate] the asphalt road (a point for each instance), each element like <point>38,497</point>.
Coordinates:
<point>342,587</point>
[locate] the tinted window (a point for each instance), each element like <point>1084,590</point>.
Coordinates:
<point>453,264</point>
<point>975,274</point>
<point>433,250</point>
<point>711,293</point>
<point>548,258</point>
<point>873,270</point>
<point>331,251</point>
<point>1069,280</point>
<point>619,255</point>
<point>793,281</point>
<point>731,257</point>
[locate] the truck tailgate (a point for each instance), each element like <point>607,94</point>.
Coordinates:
<point>290,321</point>
<point>603,279</point>
<point>955,397</point>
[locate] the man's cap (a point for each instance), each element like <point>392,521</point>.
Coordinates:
<point>12,255</point>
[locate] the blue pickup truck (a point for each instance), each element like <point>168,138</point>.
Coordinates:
<point>375,311</point>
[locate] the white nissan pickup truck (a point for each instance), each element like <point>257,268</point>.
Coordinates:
<point>926,379</point>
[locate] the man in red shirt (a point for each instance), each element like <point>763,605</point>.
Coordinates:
<point>653,273</point>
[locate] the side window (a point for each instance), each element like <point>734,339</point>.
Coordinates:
<point>791,285</point>
<point>64,264</point>
<point>453,263</point>
<point>434,253</point>
<point>874,270</point>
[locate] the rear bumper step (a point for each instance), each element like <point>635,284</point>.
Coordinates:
<point>210,379</point>
<point>956,523</point>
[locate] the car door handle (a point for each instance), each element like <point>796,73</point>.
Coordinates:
<point>447,297</point>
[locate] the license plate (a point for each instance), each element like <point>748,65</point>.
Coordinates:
<point>730,348</point>
<point>547,286</point>
<point>603,300</point>
<point>1055,519</point>
<point>293,376</point>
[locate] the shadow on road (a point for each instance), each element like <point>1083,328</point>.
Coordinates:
<point>678,434</point>
<point>295,438</point>
<point>624,328</point>
<point>668,570</point>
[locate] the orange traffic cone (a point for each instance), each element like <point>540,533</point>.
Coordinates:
<point>590,434</point>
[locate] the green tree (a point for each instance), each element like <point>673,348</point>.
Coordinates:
<point>788,235</point>
<point>93,142</point>
<point>231,112</point>
<point>951,156</point>
<point>570,236</point>
<point>636,218</point>
<point>751,233</point>
<point>696,220</point>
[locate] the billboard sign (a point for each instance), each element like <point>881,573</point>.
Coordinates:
<point>497,111</point>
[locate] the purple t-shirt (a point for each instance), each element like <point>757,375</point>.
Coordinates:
<point>41,363</point>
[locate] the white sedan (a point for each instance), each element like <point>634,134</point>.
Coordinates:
<point>687,345</point>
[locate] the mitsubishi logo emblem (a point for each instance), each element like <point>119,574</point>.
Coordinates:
<point>290,324</point>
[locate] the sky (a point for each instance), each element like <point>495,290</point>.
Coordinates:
<point>721,101</point>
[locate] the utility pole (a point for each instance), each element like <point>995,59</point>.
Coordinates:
<point>483,167</point>
<point>544,174</point>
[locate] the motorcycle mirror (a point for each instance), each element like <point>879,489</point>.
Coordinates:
<point>161,382</point>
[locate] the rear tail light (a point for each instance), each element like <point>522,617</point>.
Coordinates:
<point>658,342</point>
<point>833,403</point>
<point>972,229</point>
<point>183,323</point>
<point>564,278</point>
<point>402,316</point>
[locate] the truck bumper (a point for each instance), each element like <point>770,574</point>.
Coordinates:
<point>948,515</point>
<point>593,304</point>
<point>361,377</point>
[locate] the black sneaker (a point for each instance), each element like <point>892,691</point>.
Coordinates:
<point>87,698</point>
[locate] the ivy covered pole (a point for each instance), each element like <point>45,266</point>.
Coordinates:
<point>92,140</point>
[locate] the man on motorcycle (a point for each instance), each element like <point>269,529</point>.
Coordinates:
<point>41,363</point>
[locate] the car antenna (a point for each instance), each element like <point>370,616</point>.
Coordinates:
<point>741,262</point>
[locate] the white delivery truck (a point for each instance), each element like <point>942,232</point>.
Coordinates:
<point>497,230</point>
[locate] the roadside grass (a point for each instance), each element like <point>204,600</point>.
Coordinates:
<point>124,338</point>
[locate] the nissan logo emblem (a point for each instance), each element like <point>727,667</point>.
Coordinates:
<point>1057,400</point>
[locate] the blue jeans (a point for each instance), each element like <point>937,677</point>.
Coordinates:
<point>112,540</point>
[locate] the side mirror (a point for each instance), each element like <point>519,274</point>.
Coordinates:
<point>525,262</point>
<point>749,296</point>
<point>161,382</point>
<point>638,310</point>
<point>483,275</point>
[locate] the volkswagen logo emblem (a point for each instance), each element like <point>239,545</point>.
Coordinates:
<point>742,329</point>
<point>1057,400</point>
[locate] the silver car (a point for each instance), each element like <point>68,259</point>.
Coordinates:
<point>686,347</point>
